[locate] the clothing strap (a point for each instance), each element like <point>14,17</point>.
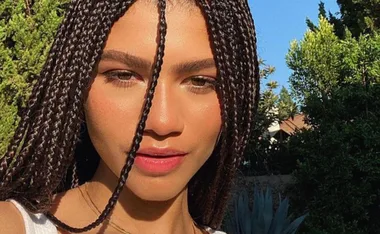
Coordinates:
<point>35,223</point>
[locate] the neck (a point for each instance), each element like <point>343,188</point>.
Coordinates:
<point>136,215</point>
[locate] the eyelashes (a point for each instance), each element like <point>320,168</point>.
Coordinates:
<point>127,79</point>
<point>121,78</point>
<point>202,84</point>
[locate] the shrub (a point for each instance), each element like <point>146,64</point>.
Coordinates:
<point>26,33</point>
<point>338,179</point>
<point>261,219</point>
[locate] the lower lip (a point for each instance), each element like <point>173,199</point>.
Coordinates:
<point>158,165</point>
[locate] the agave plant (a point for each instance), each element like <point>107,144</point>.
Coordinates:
<point>261,219</point>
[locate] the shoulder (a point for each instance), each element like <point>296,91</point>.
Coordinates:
<point>11,220</point>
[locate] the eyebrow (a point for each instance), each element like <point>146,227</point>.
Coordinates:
<point>127,59</point>
<point>194,66</point>
<point>140,63</point>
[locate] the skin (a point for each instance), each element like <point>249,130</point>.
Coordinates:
<point>185,116</point>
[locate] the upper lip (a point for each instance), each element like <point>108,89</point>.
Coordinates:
<point>161,152</point>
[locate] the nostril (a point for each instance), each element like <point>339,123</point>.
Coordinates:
<point>159,136</point>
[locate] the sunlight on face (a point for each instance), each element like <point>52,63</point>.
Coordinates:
<point>185,116</point>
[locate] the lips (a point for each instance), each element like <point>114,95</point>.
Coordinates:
<point>158,161</point>
<point>160,152</point>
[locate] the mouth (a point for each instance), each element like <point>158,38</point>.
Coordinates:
<point>158,161</point>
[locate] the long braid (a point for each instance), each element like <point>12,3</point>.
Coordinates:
<point>46,75</point>
<point>32,138</point>
<point>56,153</point>
<point>224,18</point>
<point>219,15</point>
<point>244,63</point>
<point>139,132</point>
<point>208,203</point>
<point>250,42</point>
<point>237,83</point>
<point>196,186</point>
<point>229,40</point>
<point>48,105</point>
<point>100,35</point>
<point>39,158</point>
<point>35,97</point>
<point>48,133</point>
<point>220,18</point>
<point>75,104</point>
<point>74,176</point>
<point>72,125</point>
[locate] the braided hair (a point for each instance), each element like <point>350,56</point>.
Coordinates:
<point>42,152</point>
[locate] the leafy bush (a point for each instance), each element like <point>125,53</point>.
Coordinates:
<point>338,179</point>
<point>26,32</point>
<point>261,219</point>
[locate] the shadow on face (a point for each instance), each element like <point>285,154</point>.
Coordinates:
<point>185,117</point>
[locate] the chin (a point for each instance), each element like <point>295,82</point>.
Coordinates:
<point>156,197</point>
<point>156,189</point>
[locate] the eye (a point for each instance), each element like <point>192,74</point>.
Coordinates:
<point>120,75</point>
<point>123,78</point>
<point>201,84</point>
<point>198,81</point>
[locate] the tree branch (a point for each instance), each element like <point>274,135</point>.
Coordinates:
<point>27,7</point>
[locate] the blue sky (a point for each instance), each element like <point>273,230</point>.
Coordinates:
<point>278,22</point>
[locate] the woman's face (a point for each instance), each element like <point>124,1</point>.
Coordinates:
<point>184,120</point>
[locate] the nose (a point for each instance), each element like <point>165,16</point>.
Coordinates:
<point>164,119</point>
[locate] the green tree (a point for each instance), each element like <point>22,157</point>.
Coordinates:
<point>357,16</point>
<point>337,81</point>
<point>338,177</point>
<point>285,105</point>
<point>27,29</point>
<point>322,14</point>
<point>258,150</point>
<point>262,155</point>
<point>321,61</point>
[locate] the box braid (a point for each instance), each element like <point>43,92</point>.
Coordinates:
<point>43,146</point>
<point>232,34</point>
<point>34,97</point>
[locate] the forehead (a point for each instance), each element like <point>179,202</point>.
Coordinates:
<point>136,32</point>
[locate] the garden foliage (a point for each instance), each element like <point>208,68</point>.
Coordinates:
<point>26,33</point>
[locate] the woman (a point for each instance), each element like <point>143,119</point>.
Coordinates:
<point>164,93</point>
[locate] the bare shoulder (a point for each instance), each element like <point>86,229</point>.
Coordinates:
<point>10,219</point>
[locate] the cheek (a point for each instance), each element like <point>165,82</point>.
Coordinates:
<point>111,117</point>
<point>206,119</point>
<point>106,115</point>
<point>204,124</point>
